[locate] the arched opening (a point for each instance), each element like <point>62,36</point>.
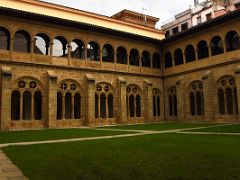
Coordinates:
<point>77,51</point>
<point>22,41</point>
<point>190,53</point>
<point>59,105</point>
<point>146,61</point>
<point>156,61</point>
<point>68,106</point>
<point>103,106</point>
<point>96,106</point>
<point>168,60</point>
<point>175,105</point>
<point>170,105</point>
<point>134,57</point>
<point>232,41</point>
<point>38,105</point>
<point>121,55</point>
<point>110,106</point>
<point>216,45</point>
<point>4,39</point>
<point>138,106</point>
<point>60,47</point>
<point>15,105</point>
<point>178,57</point>
<point>158,106</point>
<point>199,103</point>
<point>42,44</point>
<point>77,106</point>
<point>221,101</point>
<point>154,107</point>
<point>27,104</point>
<point>131,106</point>
<point>229,100</point>
<point>192,104</point>
<point>202,49</point>
<point>93,51</point>
<point>236,100</point>
<point>108,53</point>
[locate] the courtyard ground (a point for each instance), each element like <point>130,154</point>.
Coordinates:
<point>154,151</point>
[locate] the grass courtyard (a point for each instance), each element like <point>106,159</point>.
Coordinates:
<point>153,156</point>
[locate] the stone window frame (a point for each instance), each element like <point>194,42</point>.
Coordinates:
<point>196,89</point>
<point>172,93</point>
<point>156,94</point>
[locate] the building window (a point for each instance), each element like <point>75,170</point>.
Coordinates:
<point>167,35</point>
<point>184,26</point>
<point>175,30</point>
<point>196,99</point>
<point>209,17</point>
<point>172,102</point>
<point>156,103</point>
<point>133,101</point>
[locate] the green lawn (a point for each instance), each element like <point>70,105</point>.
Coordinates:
<point>41,135</point>
<point>162,126</point>
<point>158,156</point>
<point>221,129</point>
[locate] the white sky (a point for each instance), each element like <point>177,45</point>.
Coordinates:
<point>163,9</point>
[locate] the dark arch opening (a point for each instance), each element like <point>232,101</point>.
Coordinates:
<point>110,106</point>
<point>217,45</point>
<point>27,104</point>
<point>77,106</point>
<point>138,104</point>
<point>96,106</point>
<point>59,105</point>
<point>68,105</point>
<point>134,57</point>
<point>229,100</point>
<point>190,53</point>
<point>108,53</point>
<point>121,55</point>
<point>60,47</point>
<point>221,101</point>
<point>77,51</point>
<point>38,105</point>
<point>199,103</point>
<point>158,106</point>
<point>178,57</point>
<point>168,60</point>
<point>4,39</point>
<point>93,51</point>
<point>202,50</point>
<point>156,61</point>
<point>42,45</point>
<point>103,106</point>
<point>131,106</point>
<point>192,103</point>
<point>170,106</point>
<point>22,41</point>
<point>232,41</point>
<point>146,61</point>
<point>154,106</point>
<point>15,105</point>
<point>175,105</point>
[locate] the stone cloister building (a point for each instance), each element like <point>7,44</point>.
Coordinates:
<point>61,73</point>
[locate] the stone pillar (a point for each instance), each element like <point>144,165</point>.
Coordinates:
<point>128,62</point>
<point>69,53</point>
<point>5,98</point>
<point>196,54</point>
<point>115,59</point>
<point>11,47</point>
<point>100,57</point>
<point>148,101</point>
<point>90,99</point>
<point>181,99</point>
<point>210,50</point>
<point>51,99</point>
<point>237,79</point>
<point>121,98</point>
<point>51,52</point>
<point>208,94</point>
<point>32,47</point>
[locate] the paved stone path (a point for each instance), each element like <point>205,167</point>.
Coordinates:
<point>8,171</point>
<point>210,133</point>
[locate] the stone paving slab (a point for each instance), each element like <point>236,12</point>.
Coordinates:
<point>8,171</point>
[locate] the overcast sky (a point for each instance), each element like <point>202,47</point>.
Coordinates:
<point>163,9</point>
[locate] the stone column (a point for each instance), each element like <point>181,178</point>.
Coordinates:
<point>69,53</point>
<point>5,98</point>
<point>51,52</point>
<point>121,98</point>
<point>32,47</point>
<point>181,99</point>
<point>51,99</point>
<point>237,79</point>
<point>90,99</point>
<point>208,94</point>
<point>148,101</point>
<point>196,54</point>
<point>115,59</point>
<point>100,57</point>
<point>209,50</point>
<point>11,47</point>
<point>128,62</point>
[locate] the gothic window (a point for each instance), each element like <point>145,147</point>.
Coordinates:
<point>78,48</point>
<point>133,101</point>
<point>168,60</point>
<point>108,53</point>
<point>134,57</point>
<point>146,60</point>
<point>42,44</point>
<point>227,96</point>
<point>104,101</point>
<point>93,51</point>
<point>26,100</point>
<point>22,41</point>
<point>202,50</point>
<point>216,45</point>
<point>121,55</point>
<point>156,103</point>
<point>172,104</point>
<point>196,99</point>
<point>178,57</point>
<point>156,61</point>
<point>68,100</point>
<point>190,53</point>
<point>232,41</point>
<point>4,39</point>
